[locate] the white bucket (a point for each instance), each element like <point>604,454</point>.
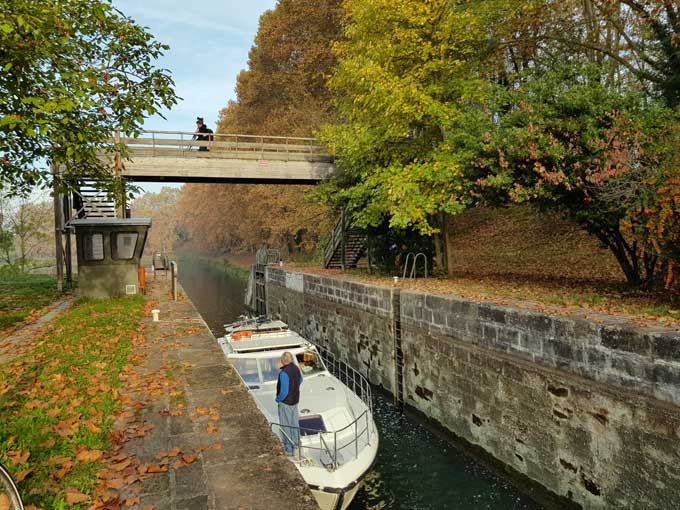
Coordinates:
<point>155,314</point>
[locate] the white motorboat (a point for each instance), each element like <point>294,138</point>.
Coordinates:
<point>338,439</point>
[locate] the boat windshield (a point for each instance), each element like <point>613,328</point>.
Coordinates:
<point>247,369</point>
<point>309,363</point>
<point>270,369</point>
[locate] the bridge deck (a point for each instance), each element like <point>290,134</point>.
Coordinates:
<point>174,156</point>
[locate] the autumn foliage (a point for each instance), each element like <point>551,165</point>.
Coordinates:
<point>565,105</point>
<point>235,218</point>
<point>58,397</point>
<point>283,92</point>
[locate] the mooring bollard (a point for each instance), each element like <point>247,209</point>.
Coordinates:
<point>173,271</point>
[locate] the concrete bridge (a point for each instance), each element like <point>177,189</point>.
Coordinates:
<point>175,156</point>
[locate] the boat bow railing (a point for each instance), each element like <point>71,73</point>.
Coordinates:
<point>347,376</point>
<point>334,447</point>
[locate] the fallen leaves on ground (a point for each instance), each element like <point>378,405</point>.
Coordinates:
<point>74,496</point>
<point>66,381</point>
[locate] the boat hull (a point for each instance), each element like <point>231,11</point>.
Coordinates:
<point>336,500</point>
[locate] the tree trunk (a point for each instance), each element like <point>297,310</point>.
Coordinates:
<point>441,259</point>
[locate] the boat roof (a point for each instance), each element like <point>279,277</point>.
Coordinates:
<point>267,342</point>
<point>256,325</point>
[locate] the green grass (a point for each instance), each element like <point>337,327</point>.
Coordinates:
<point>21,294</point>
<point>70,377</point>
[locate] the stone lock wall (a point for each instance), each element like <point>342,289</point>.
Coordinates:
<point>354,321</point>
<point>588,409</point>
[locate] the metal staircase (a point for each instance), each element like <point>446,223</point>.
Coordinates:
<point>91,202</point>
<point>345,247</point>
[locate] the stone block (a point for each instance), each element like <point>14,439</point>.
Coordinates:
<point>491,313</point>
<point>434,302</point>
<point>597,357</point>
<point>626,339</point>
<point>489,335</point>
<point>666,346</point>
<point>564,350</point>
<point>509,336</point>
<point>662,372</point>
<point>530,322</point>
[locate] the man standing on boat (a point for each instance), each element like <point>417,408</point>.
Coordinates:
<point>288,397</point>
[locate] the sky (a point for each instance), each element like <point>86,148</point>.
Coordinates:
<point>209,44</point>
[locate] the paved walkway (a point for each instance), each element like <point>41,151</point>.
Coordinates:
<point>20,340</point>
<point>199,426</point>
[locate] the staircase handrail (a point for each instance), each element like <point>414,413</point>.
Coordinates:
<point>334,241</point>
<point>97,194</point>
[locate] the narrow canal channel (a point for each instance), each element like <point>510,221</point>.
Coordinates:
<point>415,469</point>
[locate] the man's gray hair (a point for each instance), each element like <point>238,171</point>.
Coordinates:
<point>287,357</point>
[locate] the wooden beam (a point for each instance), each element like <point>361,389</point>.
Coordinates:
<point>232,170</point>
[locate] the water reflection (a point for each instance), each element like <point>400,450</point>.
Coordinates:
<point>415,469</point>
<point>216,294</point>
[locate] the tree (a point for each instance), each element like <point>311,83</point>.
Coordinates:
<point>565,141</point>
<point>73,71</point>
<point>6,235</point>
<point>234,218</point>
<point>405,70</point>
<point>30,227</point>
<point>636,40</point>
<point>283,92</point>
<point>161,207</point>
<point>25,228</point>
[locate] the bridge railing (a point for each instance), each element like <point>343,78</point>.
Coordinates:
<point>221,145</point>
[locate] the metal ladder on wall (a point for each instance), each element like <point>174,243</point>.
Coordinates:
<point>413,259</point>
<point>263,258</point>
<point>398,352</point>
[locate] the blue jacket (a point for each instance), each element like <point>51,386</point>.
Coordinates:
<point>288,385</point>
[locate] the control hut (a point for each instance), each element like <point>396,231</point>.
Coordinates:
<point>109,254</point>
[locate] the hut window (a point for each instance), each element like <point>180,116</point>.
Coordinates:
<point>123,245</point>
<point>93,246</point>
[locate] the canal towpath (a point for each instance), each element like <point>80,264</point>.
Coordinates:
<point>201,441</point>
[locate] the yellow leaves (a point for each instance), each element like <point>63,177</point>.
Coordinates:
<point>120,466</point>
<point>65,468</point>
<point>49,443</point>
<point>214,446</point>
<point>67,428</point>
<point>4,501</point>
<point>21,475</point>
<point>17,458</point>
<point>74,496</point>
<point>211,428</point>
<point>92,427</point>
<point>201,411</point>
<point>183,461</point>
<point>155,468</point>
<point>35,404</point>
<point>85,455</point>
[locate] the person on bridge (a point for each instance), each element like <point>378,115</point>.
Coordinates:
<point>287,398</point>
<point>203,133</point>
